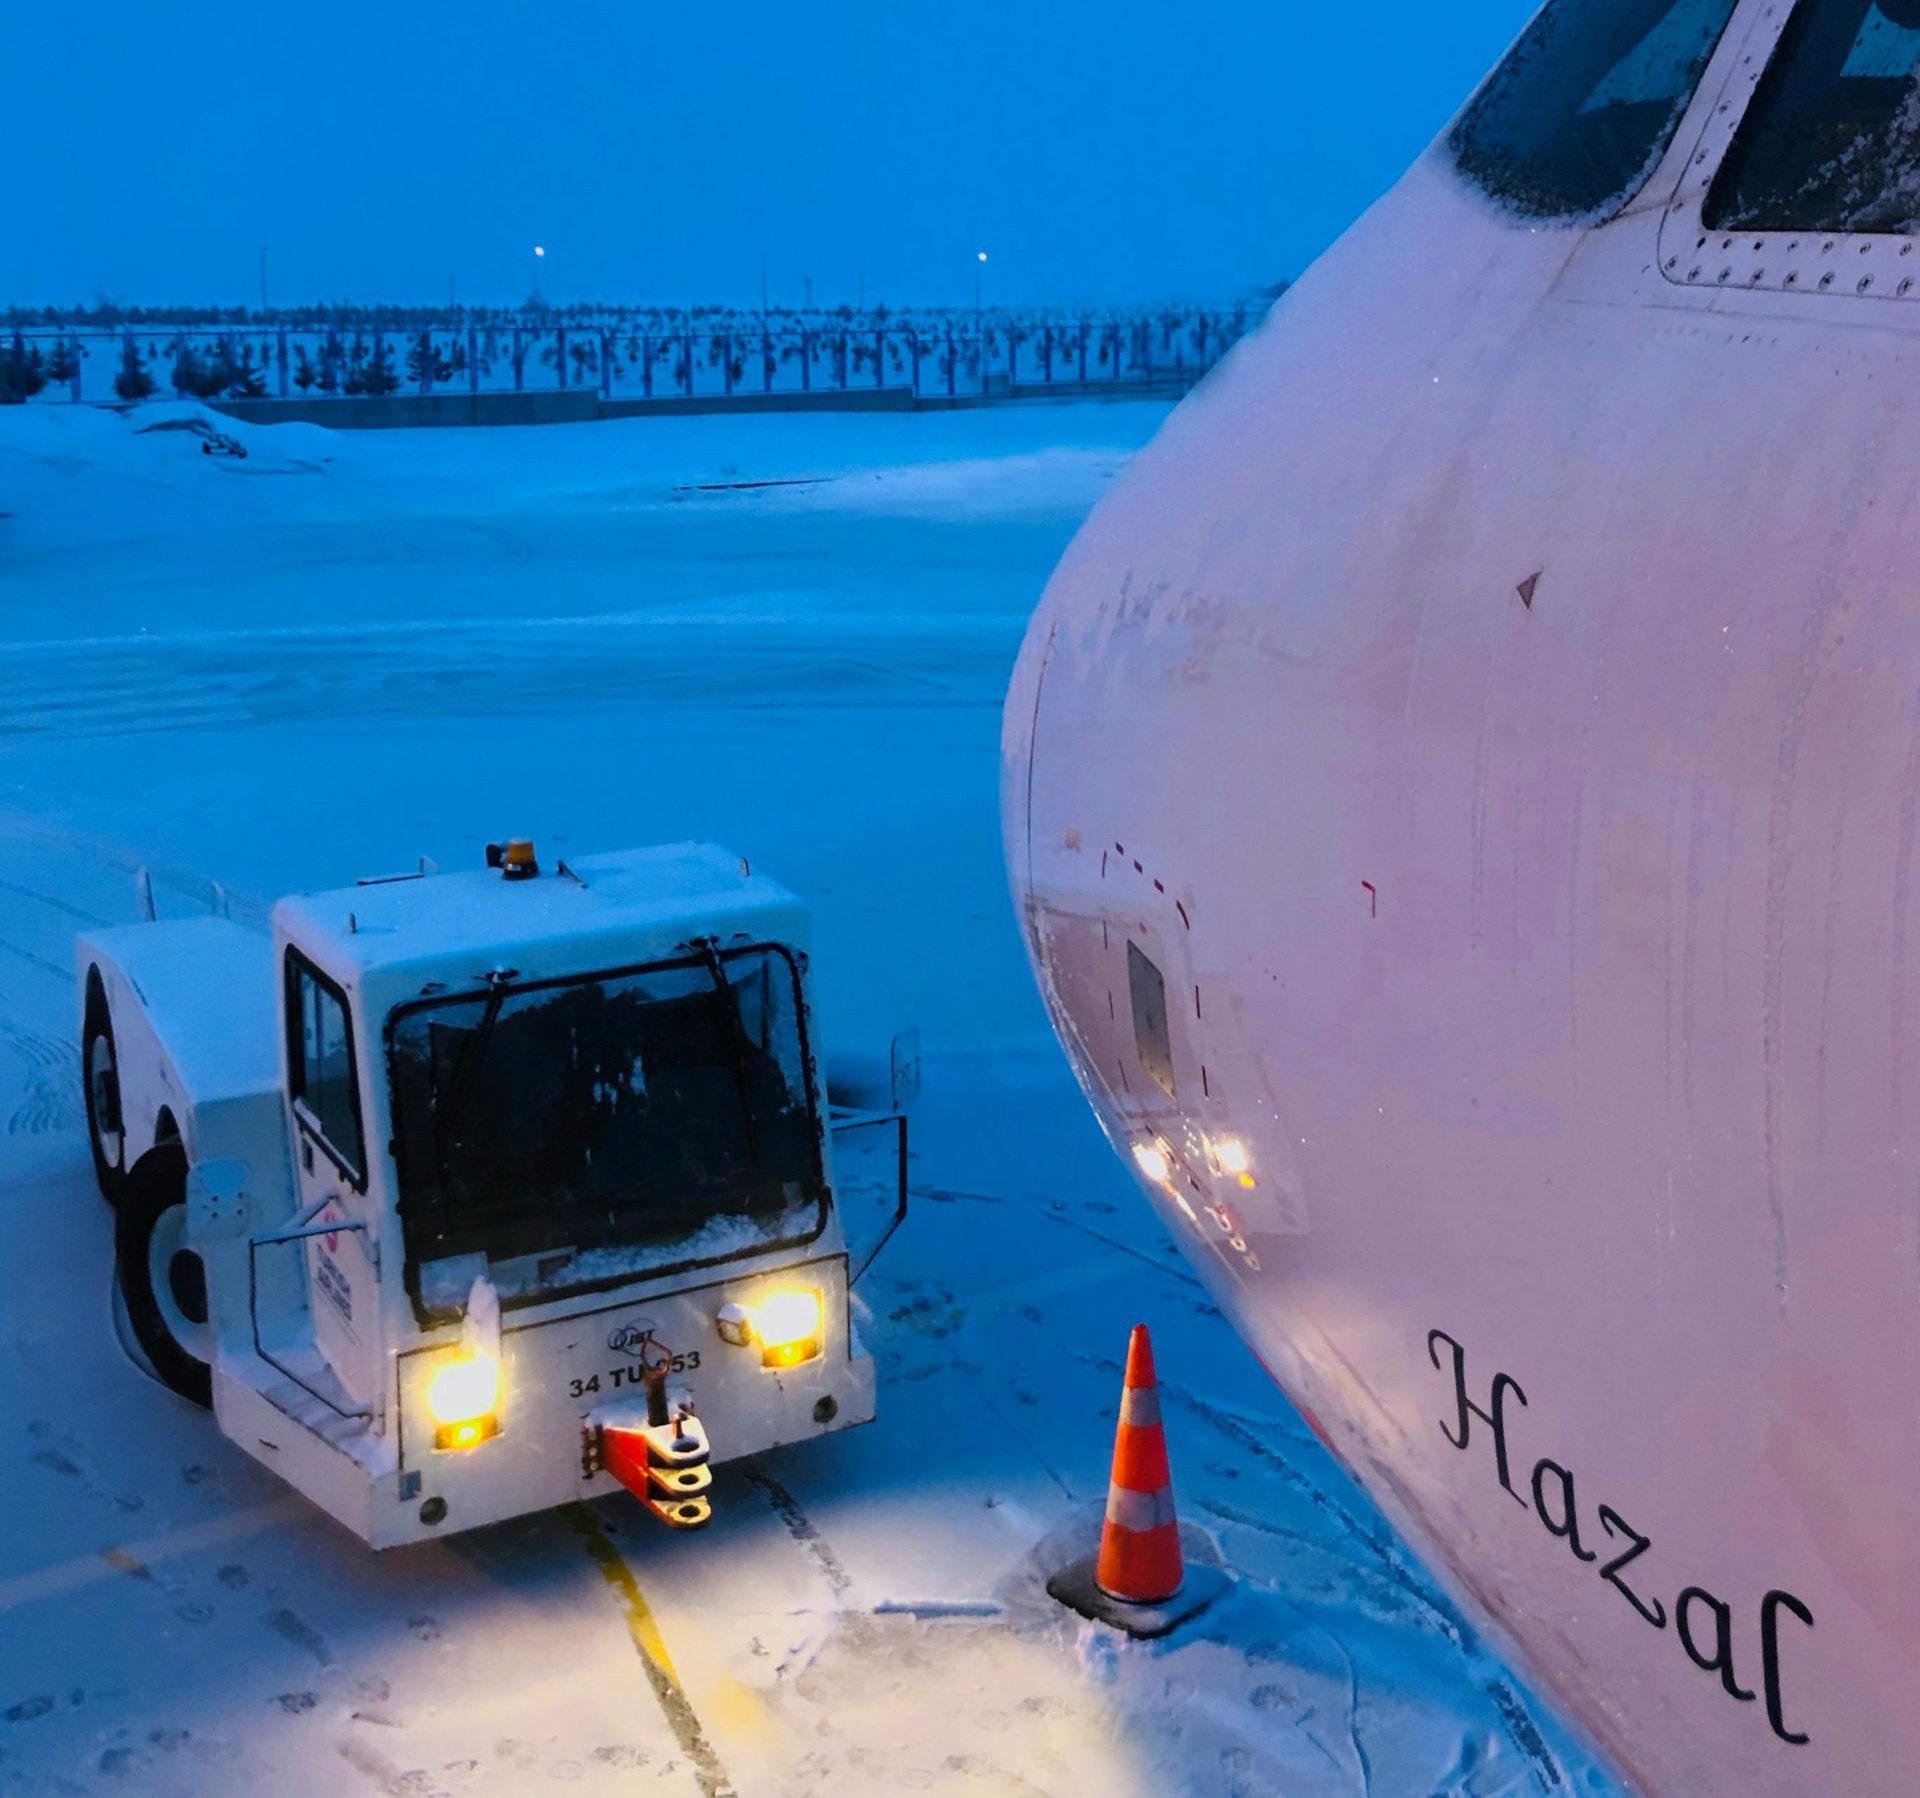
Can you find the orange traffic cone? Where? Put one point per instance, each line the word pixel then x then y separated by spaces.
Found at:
pixel 1138 1581
pixel 1140 1541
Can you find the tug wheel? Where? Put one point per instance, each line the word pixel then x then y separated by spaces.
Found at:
pixel 100 1079
pixel 163 1281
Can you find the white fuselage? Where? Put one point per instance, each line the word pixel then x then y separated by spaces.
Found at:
pixel 1553 962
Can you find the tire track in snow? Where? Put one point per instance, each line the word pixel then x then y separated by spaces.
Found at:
pixel 800 1526
pixel 51 1101
pixel 79 914
pixel 460 671
pixel 33 959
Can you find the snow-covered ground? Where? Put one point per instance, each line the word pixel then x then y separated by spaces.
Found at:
pixel 345 651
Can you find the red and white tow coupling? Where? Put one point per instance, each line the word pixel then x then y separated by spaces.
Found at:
pixel 657 1449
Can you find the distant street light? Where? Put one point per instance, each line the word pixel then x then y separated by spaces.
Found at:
pixel 539 250
pixel 979 318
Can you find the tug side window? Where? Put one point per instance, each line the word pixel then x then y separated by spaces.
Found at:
pixel 1147 988
pixel 320 1063
pixel 1831 141
pixel 1573 121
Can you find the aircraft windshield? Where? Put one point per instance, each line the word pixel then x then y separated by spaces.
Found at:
pixel 1832 139
pixel 1586 103
pixel 578 1132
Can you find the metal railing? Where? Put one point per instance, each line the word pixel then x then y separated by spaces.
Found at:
pixel 844 1121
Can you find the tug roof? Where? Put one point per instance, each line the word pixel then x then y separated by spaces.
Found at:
pixel 662 896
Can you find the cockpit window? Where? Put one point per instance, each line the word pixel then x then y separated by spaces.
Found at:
pixel 1831 141
pixel 1585 104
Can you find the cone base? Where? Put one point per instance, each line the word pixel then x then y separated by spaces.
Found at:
pixel 1077 1589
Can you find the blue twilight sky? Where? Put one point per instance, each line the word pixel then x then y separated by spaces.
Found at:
pixel 1097 149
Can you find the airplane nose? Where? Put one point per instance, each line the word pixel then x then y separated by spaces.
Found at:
pixel 1019 721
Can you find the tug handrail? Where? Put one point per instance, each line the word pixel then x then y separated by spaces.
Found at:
pixel 842 1118
pixel 300 1230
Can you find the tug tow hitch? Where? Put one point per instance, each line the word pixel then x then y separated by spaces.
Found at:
pixel 658 1450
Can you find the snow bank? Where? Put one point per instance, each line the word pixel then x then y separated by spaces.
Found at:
pixel 72 475
pixel 73 478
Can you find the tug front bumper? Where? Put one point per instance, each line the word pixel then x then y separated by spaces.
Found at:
pixel 747 1363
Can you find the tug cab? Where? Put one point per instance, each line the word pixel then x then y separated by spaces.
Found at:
pixel 465 1195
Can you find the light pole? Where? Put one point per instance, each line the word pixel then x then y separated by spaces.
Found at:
pixel 979 318
pixel 539 255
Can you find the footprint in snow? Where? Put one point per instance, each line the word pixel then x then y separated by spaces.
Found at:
pixel 1042 1705
pixel 301 1634
pixel 54 1456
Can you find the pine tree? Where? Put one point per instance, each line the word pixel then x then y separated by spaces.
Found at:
pixel 422 365
pixel 64 363
pixel 246 378
pixel 218 371
pixel 132 382
pixel 303 372
pixel 379 376
pixel 187 370
pixel 23 372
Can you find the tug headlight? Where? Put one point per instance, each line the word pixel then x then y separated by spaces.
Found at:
pixel 789 1326
pixel 463 1398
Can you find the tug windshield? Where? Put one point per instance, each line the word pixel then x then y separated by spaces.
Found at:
pixel 577 1132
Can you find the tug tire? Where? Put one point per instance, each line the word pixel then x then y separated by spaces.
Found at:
pixel 100 1087
pixel 155 1191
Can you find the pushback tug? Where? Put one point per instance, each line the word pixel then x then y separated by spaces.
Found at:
pixel 520 1189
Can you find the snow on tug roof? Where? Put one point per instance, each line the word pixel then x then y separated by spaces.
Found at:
pixel 672 892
